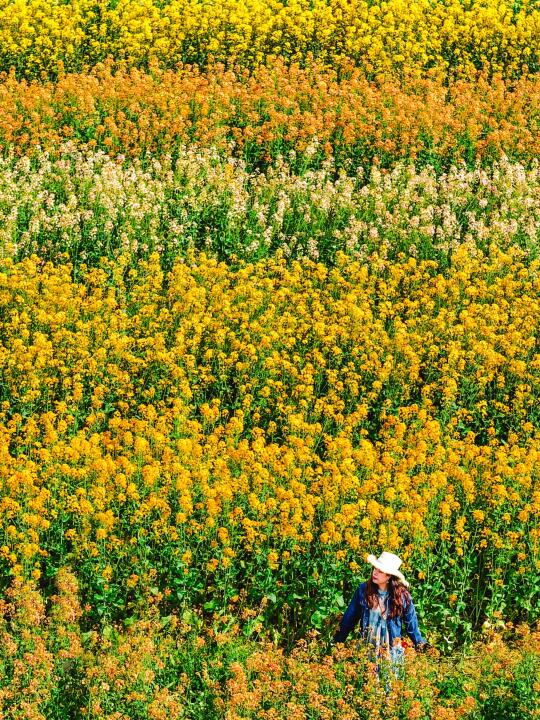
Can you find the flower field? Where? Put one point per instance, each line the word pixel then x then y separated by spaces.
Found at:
pixel 274 110
pixel 269 302
pixel 388 36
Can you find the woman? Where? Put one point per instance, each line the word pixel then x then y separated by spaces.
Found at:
pixel 382 605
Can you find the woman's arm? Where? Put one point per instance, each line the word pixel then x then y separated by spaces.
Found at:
pixel 410 621
pixel 351 617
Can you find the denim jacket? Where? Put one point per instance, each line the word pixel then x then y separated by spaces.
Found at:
pixel 358 610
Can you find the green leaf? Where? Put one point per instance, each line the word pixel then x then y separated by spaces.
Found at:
pixel 86 636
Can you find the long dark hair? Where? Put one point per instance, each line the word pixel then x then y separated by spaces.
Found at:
pixel 400 597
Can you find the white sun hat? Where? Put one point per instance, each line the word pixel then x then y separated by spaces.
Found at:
pixel 388 563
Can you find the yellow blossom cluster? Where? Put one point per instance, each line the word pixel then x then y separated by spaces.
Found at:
pixel 386 36
pixel 177 433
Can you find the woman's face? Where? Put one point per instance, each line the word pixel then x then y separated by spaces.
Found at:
pixel 379 577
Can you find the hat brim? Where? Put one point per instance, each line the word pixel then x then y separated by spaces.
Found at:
pixel 372 560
